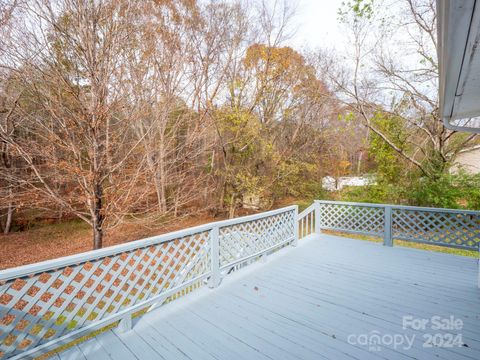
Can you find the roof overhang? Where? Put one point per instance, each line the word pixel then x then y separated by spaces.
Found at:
pixel 459 63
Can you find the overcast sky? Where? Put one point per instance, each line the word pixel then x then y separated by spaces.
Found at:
pixel 317 23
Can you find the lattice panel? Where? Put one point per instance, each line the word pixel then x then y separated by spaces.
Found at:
pixel 245 239
pixel 354 218
pixel 439 228
pixel 42 307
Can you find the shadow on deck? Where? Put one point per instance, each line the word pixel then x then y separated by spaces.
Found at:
pixel 321 300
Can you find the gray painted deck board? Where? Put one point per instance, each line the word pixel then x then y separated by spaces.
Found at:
pixel 73 353
pixel 115 348
pixel 303 303
pixel 137 345
pixel 93 350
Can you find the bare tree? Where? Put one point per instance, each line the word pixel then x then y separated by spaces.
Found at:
pixel 119 109
pixel 8 103
pixel 70 66
pixel 393 70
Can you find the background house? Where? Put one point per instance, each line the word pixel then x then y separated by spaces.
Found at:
pixel 331 183
pixel 468 160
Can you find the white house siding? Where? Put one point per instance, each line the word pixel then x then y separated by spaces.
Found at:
pixel 331 184
pixel 468 161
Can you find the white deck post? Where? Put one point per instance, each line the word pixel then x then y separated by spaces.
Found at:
pixel 387 237
pixel 125 323
pixel 295 227
pixel 316 211
pixel 215 257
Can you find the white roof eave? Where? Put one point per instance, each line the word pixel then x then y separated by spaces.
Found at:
pixel 459 63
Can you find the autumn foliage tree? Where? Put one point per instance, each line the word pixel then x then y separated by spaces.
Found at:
pixel 121 109
pixel 270 129
pixel 117 110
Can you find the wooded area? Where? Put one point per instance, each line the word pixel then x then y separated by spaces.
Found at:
pixel 114 111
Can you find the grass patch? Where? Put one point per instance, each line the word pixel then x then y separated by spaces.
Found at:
pixel 95 333
pixel 76 342
pixel 87 337
pixel 408 244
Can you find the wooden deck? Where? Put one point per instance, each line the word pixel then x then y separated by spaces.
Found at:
pixel 311 302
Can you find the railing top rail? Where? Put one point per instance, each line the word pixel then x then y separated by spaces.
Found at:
pixel 432 209
pixel 48 265
pixel 404 207
pixel 253 217
pixel 306 211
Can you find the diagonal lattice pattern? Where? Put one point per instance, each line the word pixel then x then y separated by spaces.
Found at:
pixel 44 306
pixel 249 238
pixel 46 303
pixel 353 218
pixel 454 229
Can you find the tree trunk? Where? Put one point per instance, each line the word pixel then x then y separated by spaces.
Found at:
pixel 157 169
pixel 98 218
pixel 231 212
pixel 160 190
pixel 359 163
pixel 221 197
pixel 97 237
pixel 177 201
pixel 8 221
pixel 162 177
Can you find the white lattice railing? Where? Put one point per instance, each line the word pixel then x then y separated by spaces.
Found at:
pixel 443 227
pixel 47 304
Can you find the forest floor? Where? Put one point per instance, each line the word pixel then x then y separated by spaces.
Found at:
pixel 50 241
pixel 72 237
pixel 409 244
pixel 56 240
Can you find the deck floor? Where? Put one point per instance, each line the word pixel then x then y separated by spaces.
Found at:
pixel 320 300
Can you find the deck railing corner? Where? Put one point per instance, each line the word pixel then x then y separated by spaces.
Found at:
pixel 453 228
pixel 48 304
